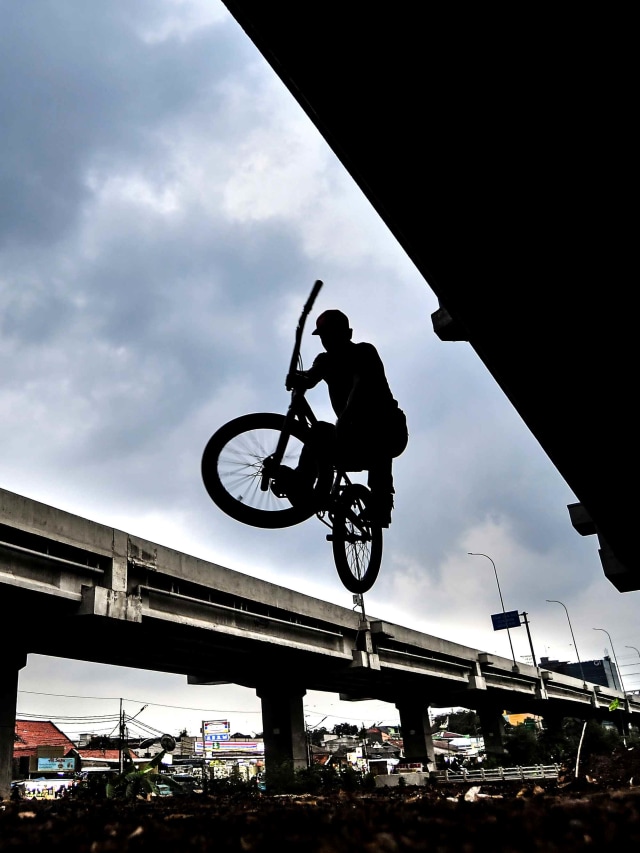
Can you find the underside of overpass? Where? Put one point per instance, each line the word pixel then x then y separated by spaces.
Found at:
pixel 496 146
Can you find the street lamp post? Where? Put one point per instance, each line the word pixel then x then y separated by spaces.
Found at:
pixel 554 601
pixel 634 649
pixel 473 554
pixel 614 657
pixel 624 692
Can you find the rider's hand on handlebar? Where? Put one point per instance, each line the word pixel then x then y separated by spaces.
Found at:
pixel 296 381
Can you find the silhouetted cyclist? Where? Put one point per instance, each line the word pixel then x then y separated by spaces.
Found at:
pixel 371 429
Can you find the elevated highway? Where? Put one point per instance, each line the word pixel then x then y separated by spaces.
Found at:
pixel 126 601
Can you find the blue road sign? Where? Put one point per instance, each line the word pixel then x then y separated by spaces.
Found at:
pixel 510 619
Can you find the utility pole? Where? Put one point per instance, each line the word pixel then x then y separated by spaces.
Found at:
pixel 121 741
pixel 526 625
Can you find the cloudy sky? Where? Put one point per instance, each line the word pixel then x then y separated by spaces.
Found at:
pixel 165 207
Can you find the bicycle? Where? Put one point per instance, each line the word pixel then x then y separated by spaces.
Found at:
pixel 239 470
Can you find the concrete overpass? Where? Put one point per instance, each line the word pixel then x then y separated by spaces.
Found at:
pixel 125 601
pixel 497 145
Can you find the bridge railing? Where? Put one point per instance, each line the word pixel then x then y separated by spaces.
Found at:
pixel 498 774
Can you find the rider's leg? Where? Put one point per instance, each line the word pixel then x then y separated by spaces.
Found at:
pixel 360 448
pixel 315 458
pixel 393 437
pixel 380 480
pixel 318 452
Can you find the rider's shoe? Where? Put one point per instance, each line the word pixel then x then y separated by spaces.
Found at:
pixel 282 481
pixel 286 483
pixel 379 510
pixel 278 484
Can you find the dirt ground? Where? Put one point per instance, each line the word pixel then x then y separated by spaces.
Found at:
pixel 598 811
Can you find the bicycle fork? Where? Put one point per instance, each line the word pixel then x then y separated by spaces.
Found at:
pixel 353 527
pixel 298 408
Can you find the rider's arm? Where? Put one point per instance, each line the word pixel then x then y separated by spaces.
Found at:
pixel 298 381
pixel 304 379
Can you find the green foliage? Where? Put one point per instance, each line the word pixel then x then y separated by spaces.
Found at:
pixel 316 736
pixel 350 779
pixel 234 786
pixel 633 739
pixel 559 745
pixel 461 722
pixel 140 781
pixel 523 746
pixel 345 730
pixel 599 740
pixel 103 742
pixel 316 779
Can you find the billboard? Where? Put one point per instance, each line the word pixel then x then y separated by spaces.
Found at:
pixel 56 765
pixel 236 746
pixel 214 732
pixel 510 619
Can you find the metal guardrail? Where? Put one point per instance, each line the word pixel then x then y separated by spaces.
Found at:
pixel 500 774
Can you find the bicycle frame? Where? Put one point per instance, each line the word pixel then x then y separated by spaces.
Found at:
pixel 299 410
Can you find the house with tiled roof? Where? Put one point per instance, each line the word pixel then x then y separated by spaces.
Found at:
pixel 40 748
pixel 382 734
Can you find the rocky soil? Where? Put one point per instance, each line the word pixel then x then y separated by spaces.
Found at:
pixel 598 811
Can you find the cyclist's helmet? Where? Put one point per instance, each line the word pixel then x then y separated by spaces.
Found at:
pixel 331 321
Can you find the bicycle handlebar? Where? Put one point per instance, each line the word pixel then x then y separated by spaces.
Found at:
pixel 315 290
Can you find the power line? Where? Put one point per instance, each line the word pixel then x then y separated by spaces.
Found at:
pixel 141 701
pixel 110 718
pixel 97 719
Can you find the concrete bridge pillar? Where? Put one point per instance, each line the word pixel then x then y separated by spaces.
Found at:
pixel 417 733
pixel 12 663
pixel 285 740
pixel 492 724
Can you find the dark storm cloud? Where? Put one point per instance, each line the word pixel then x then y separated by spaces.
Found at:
pixel 86 99
pixel 80 89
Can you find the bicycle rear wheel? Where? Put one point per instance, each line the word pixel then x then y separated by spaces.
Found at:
pixel 356 540
pixel 232 470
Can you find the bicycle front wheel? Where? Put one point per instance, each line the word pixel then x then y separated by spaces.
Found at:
pixel 232 470
pixel 357 541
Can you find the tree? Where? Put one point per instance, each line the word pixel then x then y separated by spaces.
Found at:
pixel 345 730
pixel 523 745
pixel 461 722
pixel 103 742
pixel 316 736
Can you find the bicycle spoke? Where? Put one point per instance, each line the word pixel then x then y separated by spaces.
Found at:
pixel 357 543
pixel 233 470
pixel 240 467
